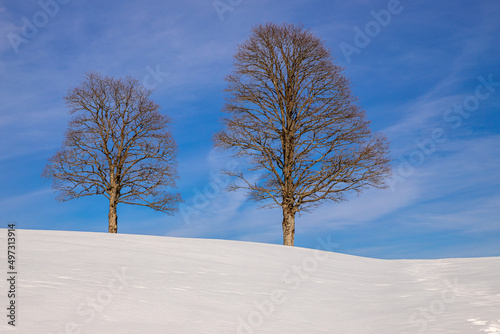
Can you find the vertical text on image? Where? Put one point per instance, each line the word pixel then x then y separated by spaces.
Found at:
pixel 11 274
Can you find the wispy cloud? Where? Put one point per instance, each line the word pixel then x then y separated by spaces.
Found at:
pixel 19 202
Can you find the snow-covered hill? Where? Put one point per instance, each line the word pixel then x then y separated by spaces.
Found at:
pixel 73 282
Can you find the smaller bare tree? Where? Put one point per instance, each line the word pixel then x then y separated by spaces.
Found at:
pixel 291 111
pixel 117 145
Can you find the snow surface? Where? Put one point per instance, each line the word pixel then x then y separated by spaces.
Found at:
pixel 77 282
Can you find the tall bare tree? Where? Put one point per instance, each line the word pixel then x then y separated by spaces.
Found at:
pixel 117 145
pixel 291 111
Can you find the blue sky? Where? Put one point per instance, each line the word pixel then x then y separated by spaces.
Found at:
pixel 427 73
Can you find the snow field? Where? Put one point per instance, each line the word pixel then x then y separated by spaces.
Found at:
pixel 78 282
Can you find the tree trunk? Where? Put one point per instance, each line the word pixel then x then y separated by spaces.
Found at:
pixel 113 216
pixel 288 227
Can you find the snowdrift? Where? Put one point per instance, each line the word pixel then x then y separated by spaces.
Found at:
pixel 76 282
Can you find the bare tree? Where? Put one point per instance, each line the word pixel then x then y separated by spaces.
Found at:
pixel 290 110
pixel 117 145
